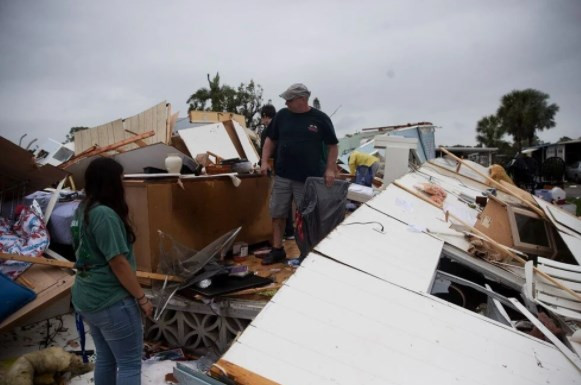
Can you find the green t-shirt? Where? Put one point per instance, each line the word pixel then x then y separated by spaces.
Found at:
pixel 105 237
pixel 302 141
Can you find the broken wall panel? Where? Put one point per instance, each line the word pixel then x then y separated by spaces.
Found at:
pixel 153 119
pixel 313 334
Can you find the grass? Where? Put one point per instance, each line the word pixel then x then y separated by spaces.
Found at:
pixel 577 202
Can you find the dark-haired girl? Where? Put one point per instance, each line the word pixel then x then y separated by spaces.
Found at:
pixel 106 291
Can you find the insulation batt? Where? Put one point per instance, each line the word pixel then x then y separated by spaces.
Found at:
pixel 41 367
pixel 437 194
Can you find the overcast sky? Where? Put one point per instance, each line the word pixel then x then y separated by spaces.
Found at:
pixel 84 63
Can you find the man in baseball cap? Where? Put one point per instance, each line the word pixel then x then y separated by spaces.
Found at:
pixel 306 145
pixel 295 91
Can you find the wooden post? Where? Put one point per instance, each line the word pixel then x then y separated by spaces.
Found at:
pixel 499 186
pixel 71 265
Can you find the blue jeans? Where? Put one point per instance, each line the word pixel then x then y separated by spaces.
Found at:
pixel 363 176
pixel 118 336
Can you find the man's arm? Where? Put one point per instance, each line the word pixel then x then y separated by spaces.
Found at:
pixel 332 153
pixel 267 150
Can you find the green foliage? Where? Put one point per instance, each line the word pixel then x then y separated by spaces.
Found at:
pixel 564 139
pixel 523 113
pixel 245 100
pixel 71 135
pixel 489 132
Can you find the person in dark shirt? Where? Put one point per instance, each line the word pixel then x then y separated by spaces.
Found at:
pixel 306 145
pixel 267 113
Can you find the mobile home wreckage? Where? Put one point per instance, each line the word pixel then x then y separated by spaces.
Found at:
pixel 441 275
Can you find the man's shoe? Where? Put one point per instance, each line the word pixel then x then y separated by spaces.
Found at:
pixel 275 256
pixel 289 237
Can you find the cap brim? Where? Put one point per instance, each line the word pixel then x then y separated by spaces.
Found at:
pixel 286 96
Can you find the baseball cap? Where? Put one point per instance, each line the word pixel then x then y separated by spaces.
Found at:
pixel 295 91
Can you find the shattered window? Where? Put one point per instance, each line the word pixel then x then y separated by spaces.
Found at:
pixel 531 230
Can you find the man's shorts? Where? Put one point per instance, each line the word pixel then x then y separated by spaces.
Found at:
pixel 283 192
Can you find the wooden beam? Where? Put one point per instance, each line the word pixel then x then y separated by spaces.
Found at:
pixel 239 374
pixel 432 163
pixel 71 265
pixel 139 142
pixel 498 185
pixel 108 148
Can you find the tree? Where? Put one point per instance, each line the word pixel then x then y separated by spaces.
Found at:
pixel 564 139
pixel 523 113
pixel 489 132
pixel 71 135
pixel 246 100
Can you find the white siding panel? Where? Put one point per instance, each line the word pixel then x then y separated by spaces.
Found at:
pixel 332 324
pixel 399 255
pixel 418 214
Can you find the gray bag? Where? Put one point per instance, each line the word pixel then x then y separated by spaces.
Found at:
pixel 321 210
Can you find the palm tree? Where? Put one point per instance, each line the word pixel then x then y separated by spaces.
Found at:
pixel 489 131
pixel 524 112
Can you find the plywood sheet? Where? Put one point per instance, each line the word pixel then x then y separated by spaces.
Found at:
pixel 153 119
pixel 494 223
pixel 332 324
pixel 399 254
pixel 211 137
pixel 246 143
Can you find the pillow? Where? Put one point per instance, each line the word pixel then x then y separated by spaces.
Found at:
pixel 12 296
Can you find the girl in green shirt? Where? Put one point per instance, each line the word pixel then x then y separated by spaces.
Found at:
pixel 106 292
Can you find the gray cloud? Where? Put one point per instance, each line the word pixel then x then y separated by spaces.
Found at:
pixel 70 63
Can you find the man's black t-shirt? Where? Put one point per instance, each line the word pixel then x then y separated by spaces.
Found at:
pixel 301 143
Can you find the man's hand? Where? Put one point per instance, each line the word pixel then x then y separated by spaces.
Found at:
pixel 264 168
pixel 329 177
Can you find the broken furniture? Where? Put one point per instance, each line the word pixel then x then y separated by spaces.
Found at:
pixel 196 212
